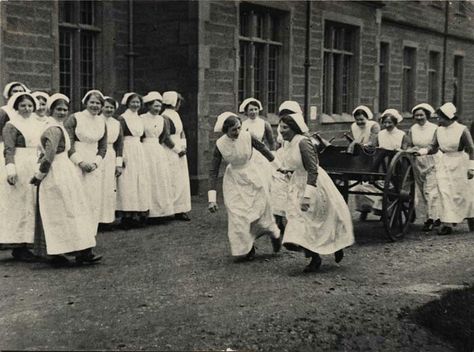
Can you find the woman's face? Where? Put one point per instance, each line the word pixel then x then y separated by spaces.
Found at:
pixel 108 109
pixel 15 89
pixel 234 131
pixel 155 108
pixel 41 110
pixel 94 105
pixel 134 104
pixel 25 107
pixel 286 132
pixel 388 123
pixel 60 111
pixel 444 121
pixel 252 111
pixel 420 117
pixel 360 120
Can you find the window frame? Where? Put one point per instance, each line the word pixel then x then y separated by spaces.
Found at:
pixel 458 95
pixel 245 86
pixel 385 84
pixel 77 30
pixel 434 88
pixel 408 98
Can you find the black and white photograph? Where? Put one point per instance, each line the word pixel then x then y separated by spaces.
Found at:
pixel 237 175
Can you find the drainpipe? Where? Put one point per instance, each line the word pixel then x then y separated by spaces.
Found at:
pixel 307 62
pixel 445 49
pixel 130 52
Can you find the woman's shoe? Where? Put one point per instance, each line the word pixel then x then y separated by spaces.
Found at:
pixel 246 258
pixel 445 230
pixel 182 217
pixel 363 216
pixel 338 255
pixel 314 265
pixel 59 261
pixel 89 258
pixel 23 254
pixel 428 225
pixel 437 223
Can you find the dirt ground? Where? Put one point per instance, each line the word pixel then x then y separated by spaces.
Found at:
pixel 174 287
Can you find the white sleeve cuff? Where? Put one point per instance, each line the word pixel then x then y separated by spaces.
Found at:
pixel 76 158
pixel 176 149
pixel 98 160
pixel 212 196
pixel 11 169
pixel 310 192
pixel 423 151
pixel 40 175
pixel 471 164
pixel 184 143
pixel 276 163
pixel 119 161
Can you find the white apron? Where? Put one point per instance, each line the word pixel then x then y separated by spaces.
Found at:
pixel 67 218
pixel 133 185
pixel 109 181
pixel 362 135
pixel 256 127
pixel 427 200
pixel 279 186
pixel 11 114
pixel 327 225
pixel 178 168
pixel 18 202
pixel 156 160
pixel 246 195
pixel 455 190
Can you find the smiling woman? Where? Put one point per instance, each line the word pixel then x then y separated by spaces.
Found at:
pixel 88 134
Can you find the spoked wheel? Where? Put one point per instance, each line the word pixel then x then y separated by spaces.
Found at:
pixel 398 196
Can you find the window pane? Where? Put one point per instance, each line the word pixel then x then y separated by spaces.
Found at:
pixel 87 12
pixel 244 23
pixel 272 79
pixel 408 84
pixel 433 78
pixel 383 76
pixel 65 62
pixel 273 28
pixel 259 25
pixel 87 62
pixel 242 70
pixel 327 83
pixel 257 72
pixel 458 82
pixel 346 74
pixel 66 11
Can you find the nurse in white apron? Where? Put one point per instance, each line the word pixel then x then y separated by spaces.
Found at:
pixel 156 158
pixel 113 162
pixel 319 221
pixel 455 174
pixel 421 134
pixel 88 134
pixel 133 189
pixel 364 130
pixel 17 196
pixel 259 128
pixel 41 113
pixel 390 138
pixel 245 189
pixel 178 162
pixel 65 221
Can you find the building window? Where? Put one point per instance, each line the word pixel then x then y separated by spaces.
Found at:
pixel 433 78
pixel 383 75
pixel 460 7
pixel 458 82
pixel 78 33
pixel 409 78
pixel 260 56
pixel 339 67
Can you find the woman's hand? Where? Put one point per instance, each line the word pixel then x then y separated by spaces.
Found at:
pixel 11 179
pixel 118 171
pixel 182 153
pixel 86 167
pixel 304 206
pixel 213 207
pixel 93 167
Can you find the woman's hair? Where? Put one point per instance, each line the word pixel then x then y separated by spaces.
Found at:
pixel 427 112
pixel 360 112
pixel 134 95
pixel 150 104
pixel 393 118
pixel 285 112
pixel 254 103
pixel 440 113
pixel 56 103
pixel 230 122
pixel 95 95
pixel 287 119
pixel 111 101
pixel 21 98
pixel 13 86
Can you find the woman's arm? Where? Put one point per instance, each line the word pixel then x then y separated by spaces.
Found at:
pixel 118 147
pixel 70 126
pixel 269 136
pixel 101 147
pixel 310 163
pixel 466 143
pixel 374 132
pixel 50 141
pixel 406 142
pixel 213 175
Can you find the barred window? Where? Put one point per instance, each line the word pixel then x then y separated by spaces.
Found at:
pixel 340 45
pixel 408 78
pixel 434 78
pixel 78 33
pixel 260 56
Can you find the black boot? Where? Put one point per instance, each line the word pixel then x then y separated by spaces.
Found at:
pixel 87 257
pixel 182 217
pixel 314 265
pixel 429 225
pixel 338 255
pixel 23 254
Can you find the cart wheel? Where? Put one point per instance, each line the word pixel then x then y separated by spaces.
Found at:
pixel 398 196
